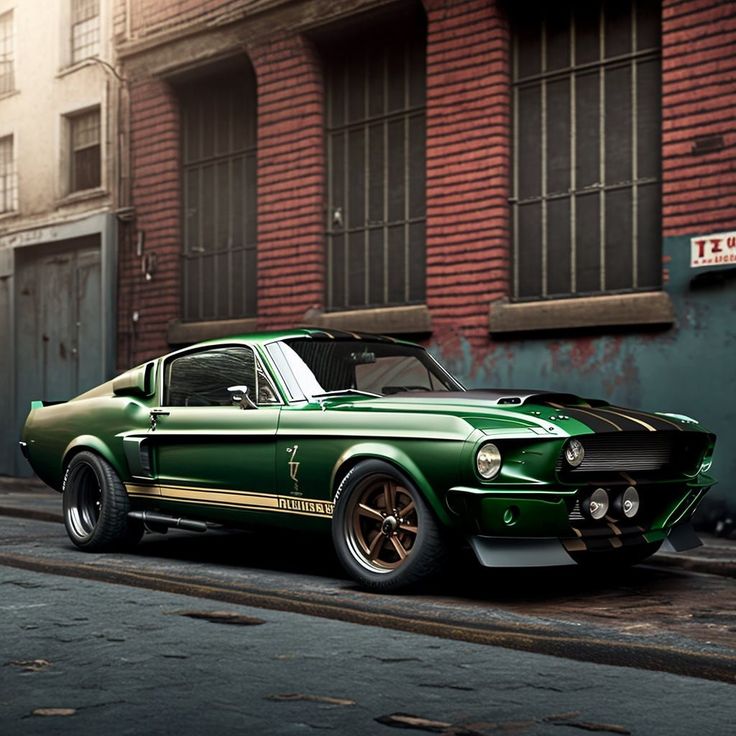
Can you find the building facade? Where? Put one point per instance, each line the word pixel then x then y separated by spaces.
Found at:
pixel 525 191
pixel 59 103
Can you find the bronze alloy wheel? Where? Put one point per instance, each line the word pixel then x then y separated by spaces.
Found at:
pixel 385 534
pixel 381 524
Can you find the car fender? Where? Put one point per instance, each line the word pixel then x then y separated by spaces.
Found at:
pixel 95 444
pixel 395 456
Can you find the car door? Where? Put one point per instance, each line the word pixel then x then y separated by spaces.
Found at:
pixel 211 440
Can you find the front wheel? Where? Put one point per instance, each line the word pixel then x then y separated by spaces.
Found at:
pixel 96 506
pixel 385 535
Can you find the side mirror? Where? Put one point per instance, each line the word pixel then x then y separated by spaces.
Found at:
pixel 240 394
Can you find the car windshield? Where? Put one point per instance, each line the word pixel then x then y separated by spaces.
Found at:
pixel 323 368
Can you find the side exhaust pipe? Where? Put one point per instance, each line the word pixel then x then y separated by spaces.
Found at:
pixel 152 520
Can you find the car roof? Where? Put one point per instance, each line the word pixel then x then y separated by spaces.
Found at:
pixel 315 333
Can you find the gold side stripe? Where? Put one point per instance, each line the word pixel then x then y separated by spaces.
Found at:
pixel 235 499
pixel 630 418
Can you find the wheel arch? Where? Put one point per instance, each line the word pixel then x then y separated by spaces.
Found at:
pixel 393 456
pixel 89 443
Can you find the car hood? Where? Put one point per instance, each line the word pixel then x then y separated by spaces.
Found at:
pixel 486 408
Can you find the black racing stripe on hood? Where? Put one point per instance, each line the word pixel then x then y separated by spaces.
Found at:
pixel 659 423
pixel 595 421
pixel 622 419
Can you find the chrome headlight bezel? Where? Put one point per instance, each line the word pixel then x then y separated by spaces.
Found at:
pixel 574 452
pixel 488 461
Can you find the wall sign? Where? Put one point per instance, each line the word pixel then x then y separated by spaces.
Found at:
pixel 718 249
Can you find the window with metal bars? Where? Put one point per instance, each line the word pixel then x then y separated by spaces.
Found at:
pixel 375 136
pixel 85 29
pixel 218 123
pixel 7 73
pixel 586 197
pixel 85 164
pixel 8 176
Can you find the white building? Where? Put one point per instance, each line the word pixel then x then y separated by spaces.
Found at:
pixel 60 101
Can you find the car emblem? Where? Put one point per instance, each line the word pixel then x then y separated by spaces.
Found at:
pixel 294 467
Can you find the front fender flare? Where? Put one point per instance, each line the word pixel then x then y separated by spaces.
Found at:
pixel 389 453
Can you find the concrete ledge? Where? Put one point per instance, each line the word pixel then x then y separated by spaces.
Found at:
pixel 186 333
pixel 646 308
pixel 410 320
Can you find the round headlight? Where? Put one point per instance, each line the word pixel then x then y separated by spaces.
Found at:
pixel 596 505
pixel 488 461
pixel 574 452
pixel 627 504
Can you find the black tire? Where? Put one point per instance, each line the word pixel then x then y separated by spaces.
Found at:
pixel 96 506
pixel 617 559
pixel 355 533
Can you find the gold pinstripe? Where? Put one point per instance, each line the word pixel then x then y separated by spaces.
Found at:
pixel 632 419
pixel 659 418
pixel 235 499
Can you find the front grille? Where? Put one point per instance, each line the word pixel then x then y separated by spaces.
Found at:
pixel 638 451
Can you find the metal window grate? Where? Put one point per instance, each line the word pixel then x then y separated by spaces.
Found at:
pixel 84 135
pixel 7 73
pixel 219 118
pixel 375 136
pixel 85 29
pixel 8 176
pixel 586 195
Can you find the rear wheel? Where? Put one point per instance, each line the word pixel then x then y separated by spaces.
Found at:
pixel 385 534
pixel 96 506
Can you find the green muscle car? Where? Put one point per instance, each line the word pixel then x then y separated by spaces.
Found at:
pixel 371 438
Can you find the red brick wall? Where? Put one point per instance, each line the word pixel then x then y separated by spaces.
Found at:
pixel 291 166
pixel 699 92
pixel 468 134
pixel 154 141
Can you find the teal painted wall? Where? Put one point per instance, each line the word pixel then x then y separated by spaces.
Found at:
pixel 689 368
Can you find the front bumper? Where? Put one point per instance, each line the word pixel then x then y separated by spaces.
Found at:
pixel 551 552
pixel 542 526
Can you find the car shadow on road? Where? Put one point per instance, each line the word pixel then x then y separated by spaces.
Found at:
pixel 311 556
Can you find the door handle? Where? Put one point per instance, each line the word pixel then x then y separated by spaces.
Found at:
pixel 155 414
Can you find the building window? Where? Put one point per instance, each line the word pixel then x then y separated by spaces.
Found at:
pixel 84 135
pixel 7 76
pixel 218 116
pixel 8 176
pixel 85 29
pixel 586 194
pixel 375 113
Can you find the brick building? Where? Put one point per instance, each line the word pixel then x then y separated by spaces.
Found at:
pixel 517 188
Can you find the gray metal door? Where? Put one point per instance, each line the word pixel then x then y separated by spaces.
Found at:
pixel 58 327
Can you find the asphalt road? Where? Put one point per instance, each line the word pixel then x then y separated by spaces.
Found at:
pixel 258 633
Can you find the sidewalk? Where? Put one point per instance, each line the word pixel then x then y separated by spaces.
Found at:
pixel 31 497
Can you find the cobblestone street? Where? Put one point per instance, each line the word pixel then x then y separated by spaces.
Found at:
pixel 83 652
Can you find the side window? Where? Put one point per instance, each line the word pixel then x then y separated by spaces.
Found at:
pixel 202 379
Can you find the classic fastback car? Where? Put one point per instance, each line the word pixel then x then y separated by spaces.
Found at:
pixel 369 437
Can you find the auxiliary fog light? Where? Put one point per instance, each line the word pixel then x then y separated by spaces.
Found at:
pixel 574 453
pixel 596 505
pixel 627 503
pixel 488 461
